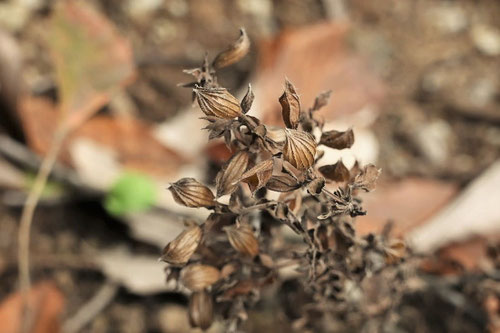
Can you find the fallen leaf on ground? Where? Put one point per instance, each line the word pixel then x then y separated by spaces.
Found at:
pixel 48 304
pixel 407 203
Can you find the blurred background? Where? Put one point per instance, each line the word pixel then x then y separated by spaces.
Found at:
pixel 418 81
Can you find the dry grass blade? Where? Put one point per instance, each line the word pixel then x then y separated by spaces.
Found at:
pixel 190 193
pixel 300 149
pixel 217 102
pixel 227 177
pixel 290 106
pixel 234 53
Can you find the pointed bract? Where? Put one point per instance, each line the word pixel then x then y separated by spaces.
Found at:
pixel 234 53
pixel 290 106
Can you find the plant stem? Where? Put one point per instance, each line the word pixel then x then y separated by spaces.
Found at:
pixel 26 222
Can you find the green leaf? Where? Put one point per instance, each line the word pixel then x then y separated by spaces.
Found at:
pixel 132 192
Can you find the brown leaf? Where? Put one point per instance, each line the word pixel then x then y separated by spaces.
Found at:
pixel 367 179
pixel 282 183
pixel 197 277
pixel 234 53
pixel 180 250
pixel 337 172
pixel 242 239
pixel 290 106
pixel 247 101
pixel 300 149
pixel 321 100
pixel 190 193
pixel 258 176
pixel 201 310
pixel 337 140
pixel 217 102
pixel 91 60
pixel 48 307
pixel 233 171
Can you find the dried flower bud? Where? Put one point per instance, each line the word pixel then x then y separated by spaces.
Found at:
pixel 198 277
pixel 282 183
pixel 228 176
pixel 300 149
pixel 242 239
pixel 247 101
pixel 367 179
pixel 337 172
pixel 180 250
pixel 337 140
pixel 290 106
pixel 190 193
pixel 217 102
pixel 201 310
pixel 234 53
pixel 258 176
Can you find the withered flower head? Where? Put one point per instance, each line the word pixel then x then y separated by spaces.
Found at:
pixel 290 106
pixel 300 149
pixel 217 102
pixel 234 53
pixel 180 250
pixel 201 312
pixel 242 239
pixel 197 277
pixel 337 140
pixel 190 193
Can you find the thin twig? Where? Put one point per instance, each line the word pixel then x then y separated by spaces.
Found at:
pixel 91 309
pixel 26 221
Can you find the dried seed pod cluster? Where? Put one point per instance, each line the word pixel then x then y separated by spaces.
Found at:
pixel 230 258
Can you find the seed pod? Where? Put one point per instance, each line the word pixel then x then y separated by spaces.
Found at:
pixel 217 102
pixel 190 193
pixel 234 53
pixel 242 239
pixel 300 149
pixel 282 183
pixel 227 177
pixel 290 106
pixel 247 101
pixel 201 310
pixel 337 140
pixel 198 277
pixel 337 172
pixel 258 176
pixel 180 250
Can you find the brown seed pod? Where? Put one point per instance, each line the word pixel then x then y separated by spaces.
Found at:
pixel 190 193
pixel 337 140
pixel 290 106
pixel 180 250
pixel 282 183
pixel 227 177
pixel 247 101
pixel 242 239
pixel 198 277
pixel 337 172
pixel 201 310
pixel 217 102
pixel 300 149
pixel 258 176
pixel 234 53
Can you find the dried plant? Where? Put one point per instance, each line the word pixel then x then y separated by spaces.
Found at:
pixel 242 248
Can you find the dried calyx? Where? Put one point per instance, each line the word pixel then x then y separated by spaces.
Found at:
pixel 229 258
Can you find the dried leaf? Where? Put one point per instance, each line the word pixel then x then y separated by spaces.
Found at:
pixel 242 239
pixel 233 171
pixel 316 186
pixel 201 310
pixel 217 102
pixel 321 100
pixel 300 149
pixel 234 53
pixel 198 277
pixel 290 106
pixel 337 140
pixel 282 183
pixel 367 179
pixel 180 250
pixel 258 176
pixel 91 60
pixel 337 172
pixel 247 101
pixel 190 193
